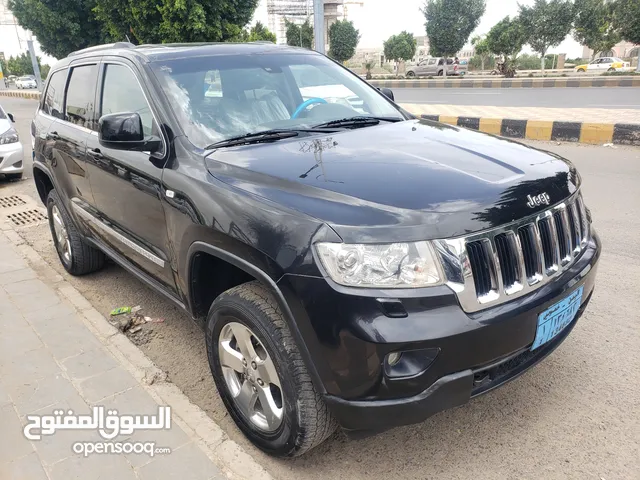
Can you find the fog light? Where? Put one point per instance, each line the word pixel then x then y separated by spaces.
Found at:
pixel 394 358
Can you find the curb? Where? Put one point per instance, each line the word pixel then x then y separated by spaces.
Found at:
pixel 568 82
pixel 11 93
pixel 593 133
pixel 232 460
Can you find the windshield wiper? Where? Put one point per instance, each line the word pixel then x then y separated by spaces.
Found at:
pixel 256 137
pixel 359 121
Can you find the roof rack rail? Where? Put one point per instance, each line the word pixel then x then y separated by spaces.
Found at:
pixel 102 47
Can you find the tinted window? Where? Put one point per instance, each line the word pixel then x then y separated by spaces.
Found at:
pixel 55 94
pixel 121 92
pixel 81 96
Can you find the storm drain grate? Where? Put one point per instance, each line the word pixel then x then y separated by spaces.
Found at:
pixel 12 201
pixel 22 219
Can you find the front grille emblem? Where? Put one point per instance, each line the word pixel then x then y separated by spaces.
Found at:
pixel 537 200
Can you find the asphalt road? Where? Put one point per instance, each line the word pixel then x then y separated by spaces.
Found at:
pixel 574 416
pixel 623 97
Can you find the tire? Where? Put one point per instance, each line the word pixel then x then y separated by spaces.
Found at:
pixel 581 70
pixel 411 74
pixel 611 70
pixel 83 258
pixel 305 419
pixel 441 73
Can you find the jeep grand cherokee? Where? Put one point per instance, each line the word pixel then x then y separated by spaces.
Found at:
pixel 351 265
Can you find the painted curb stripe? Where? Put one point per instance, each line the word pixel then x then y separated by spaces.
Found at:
pixel 566 131
pixel 523 82
pixel 593 133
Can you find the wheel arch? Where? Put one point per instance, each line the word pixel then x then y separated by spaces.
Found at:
pixel 44 182
pixel 199 247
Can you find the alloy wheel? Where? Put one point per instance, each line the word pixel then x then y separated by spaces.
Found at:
pixel 62 236
pixel 251 376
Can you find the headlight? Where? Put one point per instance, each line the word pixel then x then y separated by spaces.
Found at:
pixel 10 136
pixel 395 265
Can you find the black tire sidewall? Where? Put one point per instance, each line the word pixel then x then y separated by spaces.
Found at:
pixel 282 442
pixel 52 200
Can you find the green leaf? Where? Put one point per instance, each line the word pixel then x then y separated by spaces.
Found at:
pixel 343 40
pixel 449 23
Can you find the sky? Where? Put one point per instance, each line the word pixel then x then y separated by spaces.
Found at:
pixel 377 20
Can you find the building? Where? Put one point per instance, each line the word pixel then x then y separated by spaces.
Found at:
pixel 298 11
pixel 621 50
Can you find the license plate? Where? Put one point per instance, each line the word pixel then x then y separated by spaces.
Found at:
pixel 555 318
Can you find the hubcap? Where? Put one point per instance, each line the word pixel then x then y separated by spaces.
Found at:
pixel 62 237
pixel 251 376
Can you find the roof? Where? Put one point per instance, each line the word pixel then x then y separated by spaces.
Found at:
pixel 169 51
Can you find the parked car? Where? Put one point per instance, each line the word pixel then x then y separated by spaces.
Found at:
pixel 605 64
pixel 351 267
pixel 11 152
pixel 435 67
pixel 26 82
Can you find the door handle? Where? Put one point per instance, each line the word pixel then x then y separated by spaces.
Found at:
pixel 95 153
pixel 53 136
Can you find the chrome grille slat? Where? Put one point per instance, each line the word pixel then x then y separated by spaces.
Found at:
pixel 492 267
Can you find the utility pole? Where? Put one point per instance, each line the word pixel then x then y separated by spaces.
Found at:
pixel 318 25
pixel 34 63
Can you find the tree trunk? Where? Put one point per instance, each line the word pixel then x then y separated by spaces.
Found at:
pixel 482 63
pixel 542 62
pixel 638 67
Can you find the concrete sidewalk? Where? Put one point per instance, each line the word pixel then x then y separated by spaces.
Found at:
pixel 57 352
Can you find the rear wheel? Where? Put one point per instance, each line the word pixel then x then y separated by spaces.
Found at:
pixel 411 74
pixel 260 374
pixel 611 70
pixel 76 256
pixel 582 70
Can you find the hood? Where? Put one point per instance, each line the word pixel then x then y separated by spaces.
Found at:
pixel 414 179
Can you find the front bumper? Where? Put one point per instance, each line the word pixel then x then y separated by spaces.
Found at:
pixel 474 352
pixel 11 158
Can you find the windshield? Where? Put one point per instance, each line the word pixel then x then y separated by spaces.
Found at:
pixel 25 78
pixel 220 97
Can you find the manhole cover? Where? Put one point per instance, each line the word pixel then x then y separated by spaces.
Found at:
pixel 12 201
pixel 30 217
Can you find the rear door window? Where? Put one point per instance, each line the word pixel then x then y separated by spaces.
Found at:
pixel 54 96
pixel 81 93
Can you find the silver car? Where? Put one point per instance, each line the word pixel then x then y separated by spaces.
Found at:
pixel 11 152
pixel 26 82
pixel 435 67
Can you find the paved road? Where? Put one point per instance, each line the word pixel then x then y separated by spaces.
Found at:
pixel 628 98
pixel 575 416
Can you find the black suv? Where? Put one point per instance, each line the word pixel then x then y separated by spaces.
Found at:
pixel 351 265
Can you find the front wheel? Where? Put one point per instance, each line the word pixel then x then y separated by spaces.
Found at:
pixel 411 74
pixel 611 70
pixel 76 256
pixel 260 374
pixel 441 73
pixel 581 70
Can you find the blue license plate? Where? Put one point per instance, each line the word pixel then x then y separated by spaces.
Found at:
pixel 555 318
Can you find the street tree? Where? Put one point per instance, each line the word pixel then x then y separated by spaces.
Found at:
pixel 481 48
pixel 449 24
pixel 400 47
pixel 21 65
pixel 593 25
pixel 627 21
pixel 260 33
pixel 299 35
pixel 546 24
pixel 505 40
pixel 343 40
pixel 61 26
pixel 151 21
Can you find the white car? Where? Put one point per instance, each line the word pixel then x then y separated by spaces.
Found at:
pixel 605 64
pixel 11 152
pixel 26 82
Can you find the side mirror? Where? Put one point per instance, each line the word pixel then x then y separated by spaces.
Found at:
pixel 123 131
pixel 387 93
pixel 10 115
